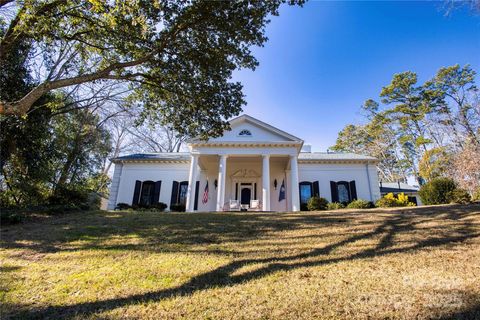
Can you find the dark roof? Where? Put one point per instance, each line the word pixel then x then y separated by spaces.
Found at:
pixel 387 187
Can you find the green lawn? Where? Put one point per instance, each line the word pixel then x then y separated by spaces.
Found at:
pixel 415 263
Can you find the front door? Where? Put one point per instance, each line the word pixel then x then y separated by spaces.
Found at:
pixel 245 195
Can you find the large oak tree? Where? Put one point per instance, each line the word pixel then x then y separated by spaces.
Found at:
pixel 178 56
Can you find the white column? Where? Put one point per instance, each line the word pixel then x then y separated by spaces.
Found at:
pixel 287 189
pixel 294 182
pixel 266 183
pixel 192 179
pixel 222 171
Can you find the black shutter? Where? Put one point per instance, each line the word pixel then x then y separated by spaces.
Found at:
pixel 334 190
pixel 156 192
pixel 255 191
pixel 136 193
pixel 353 191
pixel 197 186
pixel 236 191
pixel 316 189
pixel 174 198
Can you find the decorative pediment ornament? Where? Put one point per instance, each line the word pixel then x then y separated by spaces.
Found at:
pixel 245 173
pixel 245 132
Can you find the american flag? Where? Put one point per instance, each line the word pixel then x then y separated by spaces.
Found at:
pixel 205 194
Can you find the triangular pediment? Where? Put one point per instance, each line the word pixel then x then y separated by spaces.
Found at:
pixel 245 173
pixel 248 129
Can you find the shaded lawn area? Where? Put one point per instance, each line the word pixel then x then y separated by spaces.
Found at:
pixel 409 263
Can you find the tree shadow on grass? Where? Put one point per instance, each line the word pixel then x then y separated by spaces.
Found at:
pixel 159 230
pixel 471 312
pixel 386 232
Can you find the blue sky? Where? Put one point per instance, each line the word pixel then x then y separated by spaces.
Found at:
pixel 324 60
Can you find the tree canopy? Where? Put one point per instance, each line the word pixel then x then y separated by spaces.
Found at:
pixel 420 129
pixel 178 56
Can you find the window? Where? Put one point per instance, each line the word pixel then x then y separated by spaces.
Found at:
pixel 182 194
pixel 179 193
pixel 146 192
pixel 305 192
pixel 146 196
pixel 245 132
pixel 343 192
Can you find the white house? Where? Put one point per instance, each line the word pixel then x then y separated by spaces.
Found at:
pixel 253 164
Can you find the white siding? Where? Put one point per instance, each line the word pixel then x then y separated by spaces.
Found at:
pixel 324 173
pixel 123 183
pixel 166 172
pixel 258 134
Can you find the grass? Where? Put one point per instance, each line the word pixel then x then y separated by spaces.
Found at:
pixel 410 263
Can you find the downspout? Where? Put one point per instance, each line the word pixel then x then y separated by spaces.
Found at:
pixel 369 184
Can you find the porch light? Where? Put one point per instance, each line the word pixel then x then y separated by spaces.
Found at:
pixel 275 184
pixel 215 183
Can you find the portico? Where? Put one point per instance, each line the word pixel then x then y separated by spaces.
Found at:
pixel 245 164
pixel 246 177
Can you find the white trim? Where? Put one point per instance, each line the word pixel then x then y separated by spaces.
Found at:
pixel 266 182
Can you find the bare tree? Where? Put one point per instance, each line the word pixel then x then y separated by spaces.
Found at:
pixel 466 168
pixel 156 138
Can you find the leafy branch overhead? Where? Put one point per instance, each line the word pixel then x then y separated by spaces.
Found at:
pixel 178 56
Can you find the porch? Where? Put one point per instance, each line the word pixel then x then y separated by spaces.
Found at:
pixel 236 181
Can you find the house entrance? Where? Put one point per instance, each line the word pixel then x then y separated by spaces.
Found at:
pixel 245 194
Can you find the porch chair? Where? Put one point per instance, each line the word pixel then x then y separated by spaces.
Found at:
pixel 234 205
pixel 255 205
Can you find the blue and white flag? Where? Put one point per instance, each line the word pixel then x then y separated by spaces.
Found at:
pixel 281 196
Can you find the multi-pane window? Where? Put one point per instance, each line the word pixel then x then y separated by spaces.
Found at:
pixel 305 192
pixel 182 194
pixel 343 192
pixel 148 190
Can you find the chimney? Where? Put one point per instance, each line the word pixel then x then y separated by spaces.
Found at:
pixel 307 148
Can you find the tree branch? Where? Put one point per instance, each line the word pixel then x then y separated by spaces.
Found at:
pixel 20 107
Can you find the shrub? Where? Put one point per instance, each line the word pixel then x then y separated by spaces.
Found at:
pixel 387 201
pixel 403 201
pixel 436 191
pixel 159 206
pixel 476 195
pixel 317 203
pixel 360 204
pixel 10 217
pixel 460 196
pixel 94 202
pixel 67 195
pixel 335 206
pixel 123 206
pixel 177 207
pixel 390 200
pixel 149 207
